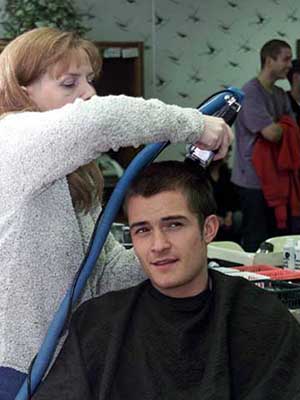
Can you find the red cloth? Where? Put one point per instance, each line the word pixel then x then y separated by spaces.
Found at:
pixel 278 165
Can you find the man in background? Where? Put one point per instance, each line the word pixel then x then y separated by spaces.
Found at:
pixel 263 106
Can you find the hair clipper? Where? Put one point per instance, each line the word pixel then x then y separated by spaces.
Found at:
pixel 229 113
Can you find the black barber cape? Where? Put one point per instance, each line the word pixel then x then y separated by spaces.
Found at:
pixel 234 342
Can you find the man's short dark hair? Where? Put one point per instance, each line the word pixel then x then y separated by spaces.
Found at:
pixel 190 180
pixel 294 70
pixel 272 49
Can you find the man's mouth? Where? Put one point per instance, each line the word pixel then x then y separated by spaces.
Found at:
pixel 164 262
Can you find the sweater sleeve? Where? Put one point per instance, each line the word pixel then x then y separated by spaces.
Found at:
pixel 118 268
pixel 41 147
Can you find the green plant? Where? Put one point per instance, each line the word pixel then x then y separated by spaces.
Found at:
pixel 23 15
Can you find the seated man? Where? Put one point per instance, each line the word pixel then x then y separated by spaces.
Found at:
pixel 187 332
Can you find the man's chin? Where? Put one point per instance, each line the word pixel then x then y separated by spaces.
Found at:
pixel 282 76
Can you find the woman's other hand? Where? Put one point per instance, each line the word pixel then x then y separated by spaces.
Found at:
pixel 217 136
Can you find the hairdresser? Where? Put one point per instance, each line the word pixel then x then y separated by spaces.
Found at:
pixel 52 127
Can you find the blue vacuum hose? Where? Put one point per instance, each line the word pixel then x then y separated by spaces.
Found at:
pixel 144 157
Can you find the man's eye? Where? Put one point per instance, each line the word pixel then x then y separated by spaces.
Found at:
pixel 141 231
pixel 173 225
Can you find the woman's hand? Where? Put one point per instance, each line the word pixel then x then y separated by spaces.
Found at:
pixel 217 136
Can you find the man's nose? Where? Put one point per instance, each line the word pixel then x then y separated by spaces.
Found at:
pixel 160 241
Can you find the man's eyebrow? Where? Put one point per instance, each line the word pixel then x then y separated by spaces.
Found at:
pixel 172 217
pixel 137 224
pixel 164 219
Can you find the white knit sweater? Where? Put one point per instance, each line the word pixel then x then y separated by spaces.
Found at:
pixel 42 240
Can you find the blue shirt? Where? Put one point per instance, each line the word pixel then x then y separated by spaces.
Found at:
pixel 259 109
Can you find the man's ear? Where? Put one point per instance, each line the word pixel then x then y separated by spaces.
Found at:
pixel 210 229
pixel 269 61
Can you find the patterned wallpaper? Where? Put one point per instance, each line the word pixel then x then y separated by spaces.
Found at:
pixel 194 48
pixel 207 45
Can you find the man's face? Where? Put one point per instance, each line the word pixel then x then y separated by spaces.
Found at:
pixel 282 64
pixel 169 244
